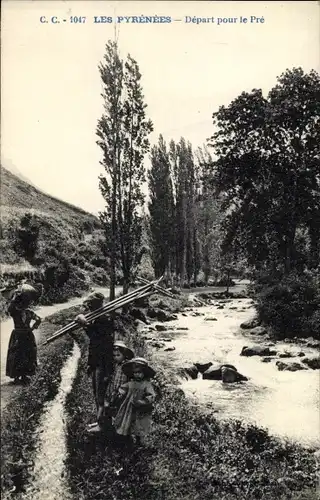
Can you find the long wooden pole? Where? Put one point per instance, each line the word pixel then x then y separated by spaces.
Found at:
pixel 110 307
pixel 157 287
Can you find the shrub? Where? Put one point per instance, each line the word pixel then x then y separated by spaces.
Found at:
pixel 27 235
pixel 290 306
pixel 100 277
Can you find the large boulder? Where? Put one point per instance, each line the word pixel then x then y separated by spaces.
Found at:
pixel 156 343
pixel 138 314
pixel 202 367
pixel 249 324
pixel 258 330
pixel 140 325
pixel 313 343
pixel 210 319
pixel 229 375
pixel 313 363
pixel 285 355
pixel 161 328
pixel 290 367
pixel 214 372
pixel 188 372
pixel 206 296
pixel 160 315
pixel 257 350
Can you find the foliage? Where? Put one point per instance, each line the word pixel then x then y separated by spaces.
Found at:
pixel 189 455
pixel 161 208
pixel 21 415
pixel 289 304
pixel 185 216
pixel 267 170
pixel 123 137
pixel 100 277
pixel 27 235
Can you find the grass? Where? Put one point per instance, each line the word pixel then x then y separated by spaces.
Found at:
pixel 190 456
pixel 21 416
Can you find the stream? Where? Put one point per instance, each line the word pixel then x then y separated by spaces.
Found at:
pixel 286 403
pixel 6 327
pixel 49 481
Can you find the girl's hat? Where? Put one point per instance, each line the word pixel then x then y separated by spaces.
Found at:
pixel 128 353
pixel 142 363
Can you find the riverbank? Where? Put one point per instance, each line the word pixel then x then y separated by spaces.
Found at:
pixel 190 455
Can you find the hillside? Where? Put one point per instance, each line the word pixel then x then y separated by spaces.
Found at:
pixel 17 196
pixel 67 252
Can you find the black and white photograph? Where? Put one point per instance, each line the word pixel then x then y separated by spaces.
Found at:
pixel 160 250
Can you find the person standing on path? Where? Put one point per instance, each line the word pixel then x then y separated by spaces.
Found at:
pixel 100 355
pixel 22 350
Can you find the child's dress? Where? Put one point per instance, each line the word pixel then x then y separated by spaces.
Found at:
pixel 135 420
pixel 117 380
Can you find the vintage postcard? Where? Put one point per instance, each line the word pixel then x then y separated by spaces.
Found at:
pixel 160 250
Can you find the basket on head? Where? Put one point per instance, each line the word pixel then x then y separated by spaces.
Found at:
pixel 26 293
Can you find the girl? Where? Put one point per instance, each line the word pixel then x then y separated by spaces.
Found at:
pixel 22 350
pixel 134 415
pixel 121 354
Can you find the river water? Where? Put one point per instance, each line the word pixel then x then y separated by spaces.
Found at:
pixel 286 403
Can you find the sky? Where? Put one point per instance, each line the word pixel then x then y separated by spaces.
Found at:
pixel 51 89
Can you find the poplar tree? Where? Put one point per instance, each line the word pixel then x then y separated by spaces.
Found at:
pixel 161 207
pixel 123 133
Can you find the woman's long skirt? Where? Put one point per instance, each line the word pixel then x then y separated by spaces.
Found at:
pixel 22 354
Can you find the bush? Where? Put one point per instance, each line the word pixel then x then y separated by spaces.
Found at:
pixel 290 306
pixel 62 281
pixel 27 235
pixel 100 277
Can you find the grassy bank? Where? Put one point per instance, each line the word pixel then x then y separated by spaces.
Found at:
pixel 189 456
pixel 21 416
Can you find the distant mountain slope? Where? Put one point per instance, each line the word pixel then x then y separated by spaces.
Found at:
pixel 16 192
pixel 58 221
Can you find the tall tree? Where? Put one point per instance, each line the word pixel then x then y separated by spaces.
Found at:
pixel 109 133
pixel 123 137
pixel 268 169
pixel 136 129
pixel 161 208
pixel 208 216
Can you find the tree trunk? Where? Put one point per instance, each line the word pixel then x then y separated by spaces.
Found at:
pixel 114 236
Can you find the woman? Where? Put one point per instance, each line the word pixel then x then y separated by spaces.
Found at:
pixel 22 350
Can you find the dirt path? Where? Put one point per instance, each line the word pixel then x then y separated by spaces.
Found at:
pixel 6 328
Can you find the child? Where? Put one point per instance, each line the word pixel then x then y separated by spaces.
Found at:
pixel 100 361
pixel 134 415
pixel 121 354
